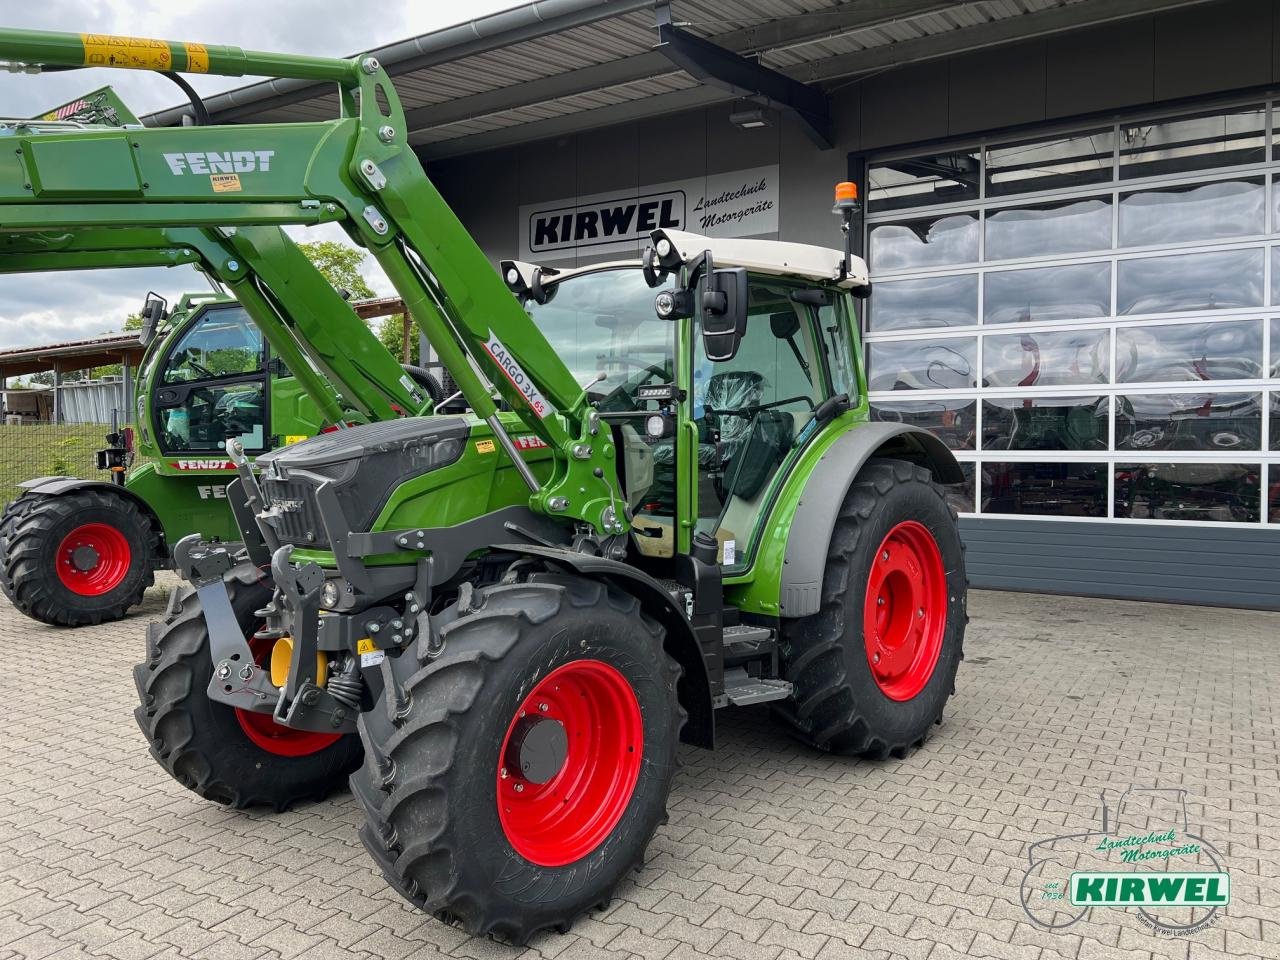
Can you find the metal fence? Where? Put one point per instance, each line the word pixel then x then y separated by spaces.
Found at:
pixel 41 449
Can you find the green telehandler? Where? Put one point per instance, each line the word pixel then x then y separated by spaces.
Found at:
pixel 77 551
pixel 500 623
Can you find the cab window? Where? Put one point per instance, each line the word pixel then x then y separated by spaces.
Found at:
pixel 212 385
pixel 752 411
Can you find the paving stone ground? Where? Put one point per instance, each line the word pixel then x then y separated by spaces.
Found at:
pixel 773 850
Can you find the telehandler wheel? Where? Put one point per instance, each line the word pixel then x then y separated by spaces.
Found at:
pixel 513 779
pixel 224 754
pixel 80 558
pixel 14 511
pixel 873 668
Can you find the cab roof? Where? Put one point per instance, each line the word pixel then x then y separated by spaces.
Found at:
pixel 784 259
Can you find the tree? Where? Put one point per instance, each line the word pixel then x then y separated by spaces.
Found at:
pixel 340 265
pixel 132 322
pixel 391 333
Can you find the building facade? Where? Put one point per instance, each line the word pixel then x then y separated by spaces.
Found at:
pixel 1072 213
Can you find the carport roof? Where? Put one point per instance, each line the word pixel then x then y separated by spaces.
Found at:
pixel 556 66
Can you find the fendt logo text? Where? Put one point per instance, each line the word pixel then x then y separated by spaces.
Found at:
pixel 230 161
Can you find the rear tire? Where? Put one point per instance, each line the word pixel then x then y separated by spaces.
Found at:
pixel 203 744
pixel 14 511
pixel 78 558
pixel 850 698
pixel 438 739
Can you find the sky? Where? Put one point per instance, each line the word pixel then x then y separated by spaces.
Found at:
pixel 46 308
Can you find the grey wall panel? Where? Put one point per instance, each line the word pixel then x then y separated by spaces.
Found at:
pixel 670 147
pixel 1184 564
pixel 997 90
pixel 807 179
pixel 1100 68
pixel 547 169
pixel 903 105
pixel 608 159
pixel 1220 46
pixel 733 148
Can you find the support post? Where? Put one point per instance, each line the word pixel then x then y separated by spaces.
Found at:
pixel 57 393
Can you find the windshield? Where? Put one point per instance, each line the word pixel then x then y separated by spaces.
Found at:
pixel 604 322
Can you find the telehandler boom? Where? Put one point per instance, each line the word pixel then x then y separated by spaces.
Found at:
pixel 500 624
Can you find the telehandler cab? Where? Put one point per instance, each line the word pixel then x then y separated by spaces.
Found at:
pixel 502 622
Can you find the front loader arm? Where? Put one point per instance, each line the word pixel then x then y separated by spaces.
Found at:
pixel 357 170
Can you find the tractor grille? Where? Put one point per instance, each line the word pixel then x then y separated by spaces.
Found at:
pixel 298 518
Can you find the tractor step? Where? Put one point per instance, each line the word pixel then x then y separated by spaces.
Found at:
pixel 742 690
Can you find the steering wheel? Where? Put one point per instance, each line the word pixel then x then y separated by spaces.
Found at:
pixel 648 371
pixel 189 358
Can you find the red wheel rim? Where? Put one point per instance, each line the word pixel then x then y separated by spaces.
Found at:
pixel 262 729
pixel 905 612
pixel 93 559
pixel 570 813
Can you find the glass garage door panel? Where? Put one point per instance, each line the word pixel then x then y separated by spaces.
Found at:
pixel 954 421
pixel 1045 488
pixel 1161 353
pixel 1200 141
pixel 1092 321
pixel 1193 281
pixel 1054 227
pixel 1222 492
pixel 929 302
pixel 922 364
pixel 1214 422
pixel 932 242
pixel 1056 163
pixel 1198 211
pixel 1045 423
pixel 1076 292
pixel 1046 358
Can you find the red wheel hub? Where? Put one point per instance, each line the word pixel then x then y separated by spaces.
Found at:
pixel 569 763
pixel 905 612
pixel 93 559
pixel 263 730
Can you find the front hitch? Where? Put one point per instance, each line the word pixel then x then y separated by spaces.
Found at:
pixel 303 705
pixel 237 680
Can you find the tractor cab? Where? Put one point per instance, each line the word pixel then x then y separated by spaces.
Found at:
pixel 703 434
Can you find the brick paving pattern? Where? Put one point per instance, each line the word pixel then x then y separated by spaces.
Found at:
pixel 773 851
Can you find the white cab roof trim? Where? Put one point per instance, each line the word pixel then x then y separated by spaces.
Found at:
pixel 762 256
pixel 771 256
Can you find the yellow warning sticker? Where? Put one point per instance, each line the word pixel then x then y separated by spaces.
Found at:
pixel 485 446
pixel 225 182
pixel 365 646
pixel 290 437
pixel 134 53
pixel 197 57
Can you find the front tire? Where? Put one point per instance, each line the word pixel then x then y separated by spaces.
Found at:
pixel 14 511
pixel 508 841
pixel 224 754
pixel 873 668
pixel 77 559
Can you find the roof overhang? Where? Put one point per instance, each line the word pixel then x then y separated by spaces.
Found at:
pixel 555 67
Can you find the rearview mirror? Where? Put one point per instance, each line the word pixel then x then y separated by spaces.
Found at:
pixel 723 295
pixel 154 309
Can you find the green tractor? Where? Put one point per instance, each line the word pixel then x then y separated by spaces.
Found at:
pixel 664 499
pixel 76 551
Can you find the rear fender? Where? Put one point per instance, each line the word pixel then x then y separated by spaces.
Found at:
pixel 60 486
pixel 680 643
pixel 824 492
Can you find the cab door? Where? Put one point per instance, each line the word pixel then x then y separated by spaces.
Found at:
pixel 754 412
pixel 212 386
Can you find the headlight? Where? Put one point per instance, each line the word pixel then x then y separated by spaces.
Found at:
pixel 330 594
pixel 664 304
